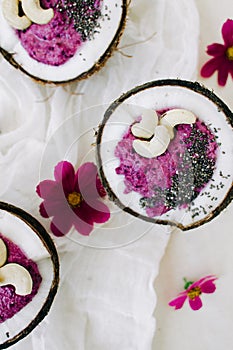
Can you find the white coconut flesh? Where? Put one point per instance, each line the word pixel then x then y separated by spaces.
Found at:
pixel 161 98
pixel 24 237
pixel 86 56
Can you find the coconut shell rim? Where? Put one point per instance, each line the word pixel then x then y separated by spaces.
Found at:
pixel 191 85
pixel 48 243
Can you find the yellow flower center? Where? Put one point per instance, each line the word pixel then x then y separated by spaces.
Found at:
pixel 74 199
pixel 229 53
pixel 194 292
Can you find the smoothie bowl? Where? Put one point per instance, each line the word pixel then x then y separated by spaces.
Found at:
pixel 29 274
pixel 60 40
pixel 165 153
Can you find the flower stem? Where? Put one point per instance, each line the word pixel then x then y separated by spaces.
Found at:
pixel 187 283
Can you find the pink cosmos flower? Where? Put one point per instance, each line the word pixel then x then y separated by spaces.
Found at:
pixel 222 60
pixel 73 199
pixel 193 292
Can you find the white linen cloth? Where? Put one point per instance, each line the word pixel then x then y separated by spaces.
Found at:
pixel 106 298
pixel 205 250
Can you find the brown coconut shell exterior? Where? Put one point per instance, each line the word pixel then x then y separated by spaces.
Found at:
pixel 194 86
pixel 94 69
pixel 51 249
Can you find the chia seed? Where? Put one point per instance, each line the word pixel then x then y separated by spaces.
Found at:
pixel 193 173
pixel 84 15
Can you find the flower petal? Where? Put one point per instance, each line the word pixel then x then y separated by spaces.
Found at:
pixel 195 304
pixel 60 225
pixel 227 32
pixel 64 173
pixel 216 49
pixel 53 207
pixel 209 278
pixel 83 227
pixel 200 281
pixel 86 181
pixel 223 74
pixel 43 212
pixel 55 230
pixel 208 287
pixel 98 212
pixel 86 216
pixel 211 66
pixel 44 188
pixel 178 302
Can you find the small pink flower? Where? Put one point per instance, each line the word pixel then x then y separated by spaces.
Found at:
pixel 74 198
pixel 193 292
pixel 222 60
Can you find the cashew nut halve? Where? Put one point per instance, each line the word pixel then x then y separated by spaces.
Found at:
pixel 156 146
pixel 36 13
pixel 3 252
pixel 10 10
pixel 175 117
pixel 145 128
pixel 17 276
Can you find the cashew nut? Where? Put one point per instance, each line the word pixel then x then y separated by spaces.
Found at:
pixel 156 146
pixel 145 128
pixel 163 132
pixel 175 117
pixel 10 10
pixel 17 276
pixel 14 274
pixel 36 13
pixel 3 253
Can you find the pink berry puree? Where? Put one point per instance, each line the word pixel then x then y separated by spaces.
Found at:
pixel 53 43
pixel 74 22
